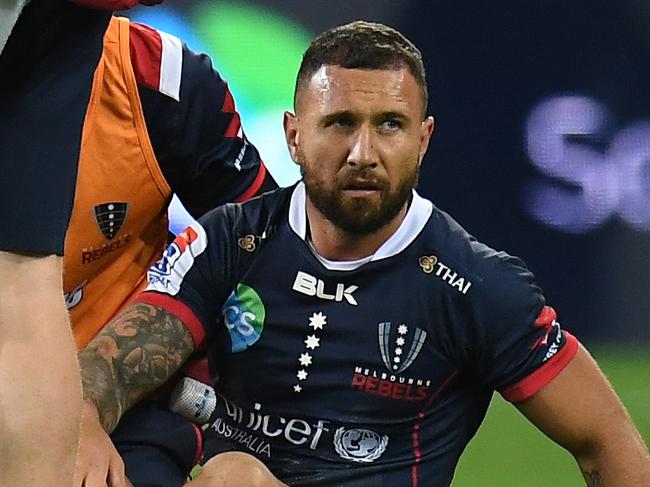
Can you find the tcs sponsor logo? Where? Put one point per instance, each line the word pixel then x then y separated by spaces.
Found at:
pixel 244 314
pixel 167 274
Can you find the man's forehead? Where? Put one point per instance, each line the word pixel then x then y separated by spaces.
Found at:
pixel 334 85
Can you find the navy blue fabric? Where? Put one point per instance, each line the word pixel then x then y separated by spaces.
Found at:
pixel 46 72
pixel 365 377
pixel 158 447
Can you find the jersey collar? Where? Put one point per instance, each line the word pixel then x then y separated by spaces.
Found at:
pixel 416 217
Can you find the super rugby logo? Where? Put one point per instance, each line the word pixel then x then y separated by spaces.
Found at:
pixel 168 273
pixel 110 218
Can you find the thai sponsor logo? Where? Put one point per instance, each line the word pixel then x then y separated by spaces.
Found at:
pixel 430 264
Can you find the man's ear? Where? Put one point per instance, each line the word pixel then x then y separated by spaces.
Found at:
pixel 425 136
pixel 291 134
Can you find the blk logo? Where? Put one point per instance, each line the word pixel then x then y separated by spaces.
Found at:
pixel 110 218
pixel 312 286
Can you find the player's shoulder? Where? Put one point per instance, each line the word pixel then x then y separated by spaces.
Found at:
pixel 257 216
pixel 494 273
pixel 163 63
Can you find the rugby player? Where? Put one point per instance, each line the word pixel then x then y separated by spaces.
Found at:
pixel 357 331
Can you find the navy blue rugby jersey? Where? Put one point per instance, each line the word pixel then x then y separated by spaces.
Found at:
pixel 368 373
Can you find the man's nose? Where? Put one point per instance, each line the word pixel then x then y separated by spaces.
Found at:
pixel 363 150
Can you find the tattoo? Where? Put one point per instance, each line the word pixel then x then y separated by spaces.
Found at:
pixel 593 479
pixel 133 355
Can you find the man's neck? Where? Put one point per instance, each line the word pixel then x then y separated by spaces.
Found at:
pixel 334 243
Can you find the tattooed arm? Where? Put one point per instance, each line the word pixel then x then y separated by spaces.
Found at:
pixel 580 411
pixel 133 355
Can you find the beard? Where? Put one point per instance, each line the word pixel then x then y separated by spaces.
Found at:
pixel 357 216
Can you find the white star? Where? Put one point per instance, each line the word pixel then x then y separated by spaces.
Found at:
pixel 312 342
pixel 305 359
pixel 402 329
pixel 302 374
pixel 400 341
pixel 397 360
pixel 398 351
pixel 297 388
pixel 317 321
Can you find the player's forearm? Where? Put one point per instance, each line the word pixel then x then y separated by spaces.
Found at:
pixel 40 402
pixel 133 355
pixel 621 460
pixel 620 463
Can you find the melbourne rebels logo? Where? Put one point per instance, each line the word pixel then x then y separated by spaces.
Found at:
pixel 399 357
pixel 110 218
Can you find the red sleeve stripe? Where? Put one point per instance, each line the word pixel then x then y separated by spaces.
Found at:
pixel 255 186
pixel 157 59
pixel 533 383
pixel 178 309
pixel 199 445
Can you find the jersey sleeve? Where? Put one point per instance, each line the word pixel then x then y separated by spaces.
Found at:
pixel 191 279
pixel 522 346
pixel 44 91
pixel 114 4
pixel 193 124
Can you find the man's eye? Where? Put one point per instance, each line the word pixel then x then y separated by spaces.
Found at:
pixel 391 124
pixel 340 122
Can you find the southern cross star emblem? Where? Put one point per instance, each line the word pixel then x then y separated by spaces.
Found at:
pixel 305 359
pixel 317 321
pixel 312 342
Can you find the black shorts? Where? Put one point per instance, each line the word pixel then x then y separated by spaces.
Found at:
pixel 159 448
pixel 46 72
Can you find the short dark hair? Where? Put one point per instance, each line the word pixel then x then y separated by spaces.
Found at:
pixel 363 45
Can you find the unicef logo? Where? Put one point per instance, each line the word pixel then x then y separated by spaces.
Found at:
pixel 359 445
pixel 244 315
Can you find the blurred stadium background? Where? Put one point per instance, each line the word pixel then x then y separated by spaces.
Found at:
pixel 542 149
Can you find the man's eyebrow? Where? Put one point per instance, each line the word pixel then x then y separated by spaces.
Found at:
pixel 339 114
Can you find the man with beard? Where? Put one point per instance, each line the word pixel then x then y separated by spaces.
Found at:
pixel 357 331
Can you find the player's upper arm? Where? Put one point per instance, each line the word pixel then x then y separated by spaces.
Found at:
pixel 194 126
pixel 578 407
pixel 521 345
pixel 192 278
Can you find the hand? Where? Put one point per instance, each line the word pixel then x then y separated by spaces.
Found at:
pixel 98 463
pixel 235 469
